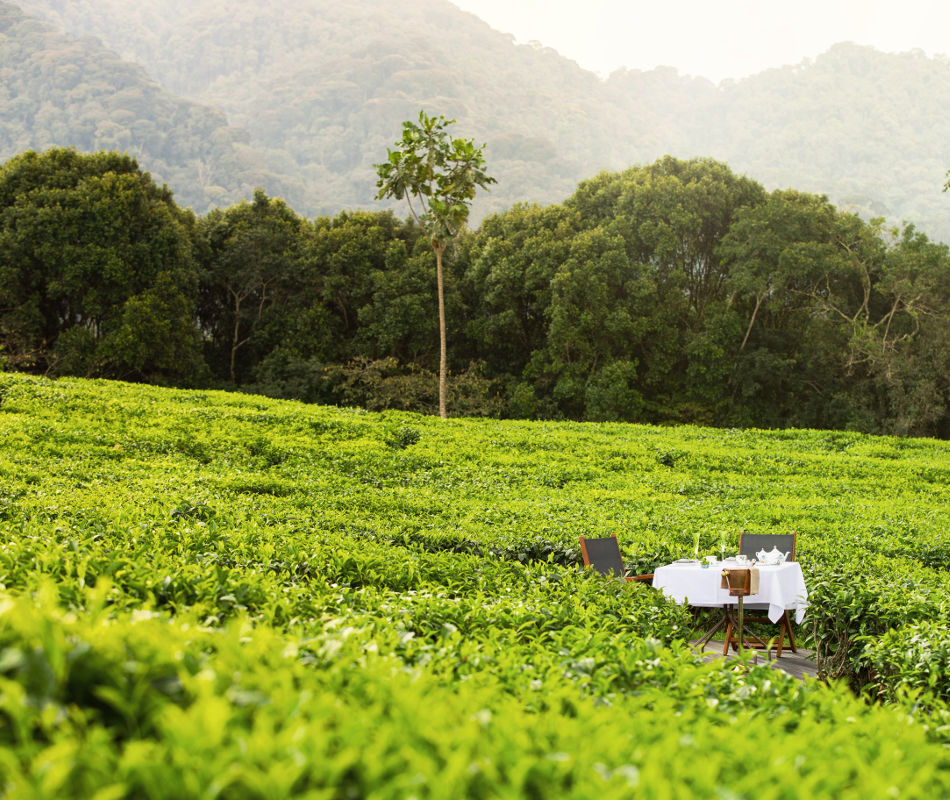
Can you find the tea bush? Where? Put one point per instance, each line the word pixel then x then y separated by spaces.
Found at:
pixel 138 704
pixel 207 594
pixel 913 657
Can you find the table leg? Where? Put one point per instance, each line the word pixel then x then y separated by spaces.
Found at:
pixel 706 637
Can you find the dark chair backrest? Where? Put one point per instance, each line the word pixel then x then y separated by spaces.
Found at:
pixel 603 555
pixel 752 543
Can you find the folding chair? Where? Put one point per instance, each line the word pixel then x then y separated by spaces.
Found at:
pixel 752 543
pixel 603 555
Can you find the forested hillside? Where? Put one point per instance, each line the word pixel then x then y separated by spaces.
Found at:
pixel 57 90
pixel 322 88
pixel 870 129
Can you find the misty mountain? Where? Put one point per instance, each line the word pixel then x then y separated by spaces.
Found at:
pixel 319 89
pixel 870 129
pixel 59 90
pixel 322 87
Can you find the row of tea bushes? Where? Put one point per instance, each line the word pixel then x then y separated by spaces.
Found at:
pixel 858 598
pixel 248 559
pixel 138 704
pixel 502 490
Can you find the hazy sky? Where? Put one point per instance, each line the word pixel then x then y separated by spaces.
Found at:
pixel 715 38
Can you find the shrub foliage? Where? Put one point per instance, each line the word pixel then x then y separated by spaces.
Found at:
pixel 208 594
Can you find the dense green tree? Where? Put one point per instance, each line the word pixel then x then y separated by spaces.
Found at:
pixel 376 277
pixel 437 176
pixel 775 251
pixel 749 364
pixel 889 317
pixel 251 261
pixel 396 320
pixel 832 312
pixel 343 302
pixel 508 269
pixel 672 215
pixel 638 272
pixel 594 320
pixel 97 275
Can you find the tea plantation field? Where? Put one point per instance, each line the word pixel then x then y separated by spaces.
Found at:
pixel 209 595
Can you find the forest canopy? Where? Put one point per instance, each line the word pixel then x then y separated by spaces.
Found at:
pixel 671 292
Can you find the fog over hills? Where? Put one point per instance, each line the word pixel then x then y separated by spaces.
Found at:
pixel 58 90
pixel 312 93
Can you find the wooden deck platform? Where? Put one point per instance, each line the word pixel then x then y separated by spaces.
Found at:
pixel 798 665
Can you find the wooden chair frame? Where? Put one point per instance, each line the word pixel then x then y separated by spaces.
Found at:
pixel 589 543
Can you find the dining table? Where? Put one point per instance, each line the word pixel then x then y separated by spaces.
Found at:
pixel 781 587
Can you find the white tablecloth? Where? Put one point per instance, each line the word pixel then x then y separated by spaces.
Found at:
pixel 780 587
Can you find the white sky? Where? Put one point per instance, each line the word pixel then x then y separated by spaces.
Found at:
pixel 715 39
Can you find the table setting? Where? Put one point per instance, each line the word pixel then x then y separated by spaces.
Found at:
pixel 776 582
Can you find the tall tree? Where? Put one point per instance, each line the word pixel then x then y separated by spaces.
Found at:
pixel 510 264
pixel 778 358
pixel 438 176
pixel 251 249
pixel 672 215
pixel 97 271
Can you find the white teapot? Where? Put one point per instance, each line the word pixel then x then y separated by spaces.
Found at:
pixel 773 556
